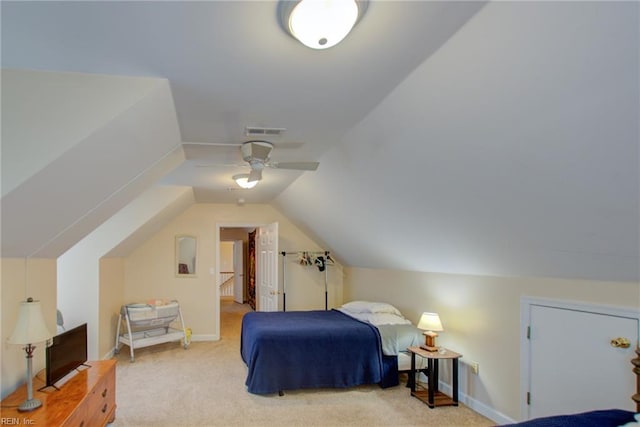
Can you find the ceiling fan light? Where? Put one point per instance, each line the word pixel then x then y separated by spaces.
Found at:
pixel 243 181
pixel 321 24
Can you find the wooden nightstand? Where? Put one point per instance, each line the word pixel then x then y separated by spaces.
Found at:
pixel 432 396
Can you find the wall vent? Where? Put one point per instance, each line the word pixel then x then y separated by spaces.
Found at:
pixel 262 131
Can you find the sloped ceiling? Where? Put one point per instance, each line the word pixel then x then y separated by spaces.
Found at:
pixel 99 152
pixel 41 108
pixel 459 137
pixel 230 65
pixel 143 217
pixel 511 151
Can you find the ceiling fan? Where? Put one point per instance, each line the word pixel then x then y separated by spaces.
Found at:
pixel 258 155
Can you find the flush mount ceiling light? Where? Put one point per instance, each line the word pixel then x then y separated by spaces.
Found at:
pixel 243 180
pixel 320 24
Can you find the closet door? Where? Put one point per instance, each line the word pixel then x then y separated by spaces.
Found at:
pixel 573 365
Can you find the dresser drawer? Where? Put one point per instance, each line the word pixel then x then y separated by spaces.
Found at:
pixel 101 402
pixel 79 418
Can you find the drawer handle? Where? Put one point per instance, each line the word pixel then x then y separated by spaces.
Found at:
pixel 104 408
pixel 104 393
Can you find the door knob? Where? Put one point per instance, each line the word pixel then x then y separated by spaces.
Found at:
pixel 620 342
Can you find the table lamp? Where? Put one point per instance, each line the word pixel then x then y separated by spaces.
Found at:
pixel 430 324
pixel 30 328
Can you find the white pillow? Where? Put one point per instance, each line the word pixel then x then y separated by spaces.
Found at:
pixel 383 307
pixel 377 318
pixel 386 319
pixel 357 306
pixel 370 307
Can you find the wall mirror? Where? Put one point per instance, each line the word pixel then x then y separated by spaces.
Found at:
pixel 186 251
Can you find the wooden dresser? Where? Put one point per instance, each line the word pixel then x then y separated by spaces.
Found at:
pixel 86 400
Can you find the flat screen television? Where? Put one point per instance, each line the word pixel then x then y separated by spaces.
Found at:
pixel 67 352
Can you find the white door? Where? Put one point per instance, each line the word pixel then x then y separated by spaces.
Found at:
pixel 238 269
pixel 267 268
pixel 573 365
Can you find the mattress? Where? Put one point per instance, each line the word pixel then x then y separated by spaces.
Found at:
pixel 311 349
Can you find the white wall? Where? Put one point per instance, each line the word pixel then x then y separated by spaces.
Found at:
pixel 149 270
pixel 481 319
pixel 311 295
pixel 78 290
pixel 111 299
pixel 79 267
pixel 226 256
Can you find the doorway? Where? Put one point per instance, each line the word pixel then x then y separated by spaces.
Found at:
pixel 263 265
pixel 233 273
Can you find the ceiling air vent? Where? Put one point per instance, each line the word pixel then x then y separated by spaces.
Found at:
pixel 262 131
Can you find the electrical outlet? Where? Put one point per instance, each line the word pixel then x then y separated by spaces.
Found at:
pixel 475 367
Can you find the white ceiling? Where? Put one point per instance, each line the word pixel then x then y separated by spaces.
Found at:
pixel 230 65
pixel 458 137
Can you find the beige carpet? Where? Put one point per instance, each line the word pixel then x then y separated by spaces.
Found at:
pixel 204 386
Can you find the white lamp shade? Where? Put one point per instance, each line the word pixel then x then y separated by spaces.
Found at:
pixel 243 181
pixel 430 322
pixel 30 327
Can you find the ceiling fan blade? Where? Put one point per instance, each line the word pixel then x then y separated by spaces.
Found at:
pixel 302 166
pixel 255 175
pixel 215 165
pixel 256 150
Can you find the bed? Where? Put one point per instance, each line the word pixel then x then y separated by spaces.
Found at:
pixel 324 348
pixel 601 418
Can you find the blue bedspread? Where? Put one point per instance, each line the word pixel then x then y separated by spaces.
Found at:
pixel 309 349
pixel 603 418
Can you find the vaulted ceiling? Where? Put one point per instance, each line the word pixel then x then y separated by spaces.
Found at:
pixel 494 138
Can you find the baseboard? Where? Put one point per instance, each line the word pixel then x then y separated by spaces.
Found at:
pixel 109 354
pixel 477 406
pixel 205 337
